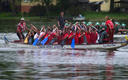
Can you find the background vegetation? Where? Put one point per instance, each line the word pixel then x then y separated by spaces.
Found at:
pixel 47 13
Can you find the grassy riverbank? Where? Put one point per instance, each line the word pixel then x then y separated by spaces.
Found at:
pixel 99 16
pixel 91 16
pixel 8 22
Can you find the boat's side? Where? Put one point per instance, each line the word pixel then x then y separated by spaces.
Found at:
pixel 92 46
pixel 98 46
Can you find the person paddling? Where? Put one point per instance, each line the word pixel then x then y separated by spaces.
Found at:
pixel 21 27
pixel 104 37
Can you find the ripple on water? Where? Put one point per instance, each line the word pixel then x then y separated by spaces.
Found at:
pixel 56 64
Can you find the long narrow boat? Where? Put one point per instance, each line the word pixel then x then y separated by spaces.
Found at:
pixel 92 46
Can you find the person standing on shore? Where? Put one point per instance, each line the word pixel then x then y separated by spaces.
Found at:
pixel 110 28
pixel 61 20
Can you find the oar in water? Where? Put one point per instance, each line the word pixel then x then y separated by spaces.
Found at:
pixel 5 39
pixel 44 41
pixel 26 39
pixel 35 41
pixel 73 43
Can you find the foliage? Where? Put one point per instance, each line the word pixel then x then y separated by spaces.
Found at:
pixel 100 16
pixel 65 4
pixel 37 11
pixel 74 11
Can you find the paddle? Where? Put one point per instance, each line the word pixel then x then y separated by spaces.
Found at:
pixel 73 43
pixel 44 41
pixel 35 42
pixel 5 39
pixel 26 39
pixel 126 37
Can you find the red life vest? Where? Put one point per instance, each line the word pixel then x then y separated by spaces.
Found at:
pixel 21 27
pixel 52 35
pixel 88 37
pixel 69 39
pixel 59 39
pixel 93 37
pixel 65 35
pixel 77 38
pixel 81 38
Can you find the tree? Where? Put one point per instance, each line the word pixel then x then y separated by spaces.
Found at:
pixel 111 5
pixel 13 6
pixel 65 4
pixel 4 5
pixel 45 3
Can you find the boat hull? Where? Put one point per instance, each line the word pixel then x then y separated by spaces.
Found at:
pixel 82 47
pixel 91 46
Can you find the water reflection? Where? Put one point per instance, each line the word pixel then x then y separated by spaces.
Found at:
pixel 61 64
pixel 109 65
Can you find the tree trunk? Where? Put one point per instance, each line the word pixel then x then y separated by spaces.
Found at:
pixel 13 7
pixel 111 5
pixel 47 11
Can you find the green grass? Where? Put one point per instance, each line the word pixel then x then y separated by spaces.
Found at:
pixel 100 16
pixel 90 16
pixel 8 22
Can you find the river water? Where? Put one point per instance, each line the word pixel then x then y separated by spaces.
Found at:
pixel 58 64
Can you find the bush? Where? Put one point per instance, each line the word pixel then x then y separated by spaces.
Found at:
pixel 5 14
pixel 37 11
pixel 74 11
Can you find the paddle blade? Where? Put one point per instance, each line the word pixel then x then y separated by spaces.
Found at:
pixel 44 41
pixel 35 42
pixel 73 43
pixel 26 40
pixel 5 39
pixel 126 38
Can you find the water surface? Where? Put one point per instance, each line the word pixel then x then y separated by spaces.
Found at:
pixel 58 64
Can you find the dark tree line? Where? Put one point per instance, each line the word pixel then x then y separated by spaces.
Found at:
pixel 69 6
pixel 112 5
pixel 10 6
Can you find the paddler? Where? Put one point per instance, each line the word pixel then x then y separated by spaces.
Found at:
pixel 53 36
pixel 104 37
pixel 110 28
pixel 97 25
pixel 88 33
pixel 64 36
pixel 123 26
pixel 70 36
pixel 117 27
pixel 21 27
pixel 84 25
pixel 81 36
pixel 93 36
